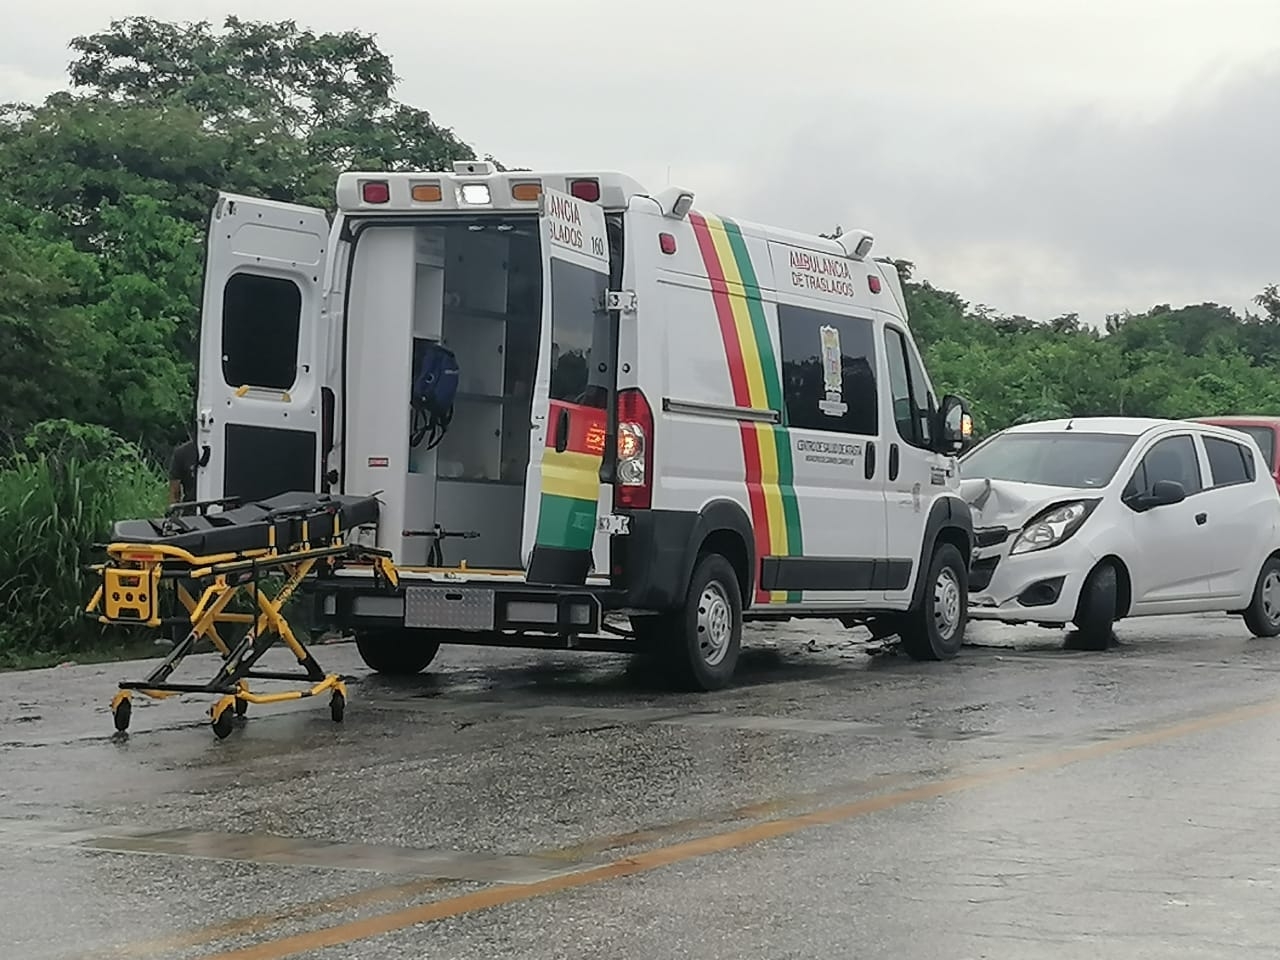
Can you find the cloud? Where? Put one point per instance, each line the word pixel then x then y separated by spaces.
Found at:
pixel 1083 209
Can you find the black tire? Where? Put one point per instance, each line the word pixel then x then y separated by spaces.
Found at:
pixel 1263 615
pixel 704 639
pixel 122 714
pixel 396 652
pixel 936 630
pixel 337 706
pixel 1096 608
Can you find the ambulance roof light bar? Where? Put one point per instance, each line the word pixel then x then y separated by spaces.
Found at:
pixel 856 244
pixel 474 168
pixel 675 202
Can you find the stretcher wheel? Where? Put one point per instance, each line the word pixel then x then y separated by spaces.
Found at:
pixel 122 713
pixel 337 706
pixel 224 716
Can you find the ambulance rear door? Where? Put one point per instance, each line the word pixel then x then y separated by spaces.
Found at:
pixel 259 394
pixel 563 493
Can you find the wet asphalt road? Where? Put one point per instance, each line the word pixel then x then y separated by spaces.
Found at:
pixel 1023 801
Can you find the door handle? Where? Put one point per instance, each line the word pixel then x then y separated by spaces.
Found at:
pixel 869 462
pixel 1201 518
pixel 893 461
pixel 562 430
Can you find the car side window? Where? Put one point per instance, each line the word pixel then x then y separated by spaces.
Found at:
pixel 1173 458
pixel 913 403
pixel 1230 463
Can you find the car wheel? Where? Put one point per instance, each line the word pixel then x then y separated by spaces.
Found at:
pixel 1096 608
pixel 936 630
pixel 396 652
pixel 1263 616
pixel 705 637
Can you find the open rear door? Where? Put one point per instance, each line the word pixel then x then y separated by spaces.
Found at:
pixel 260 374
pixel 563 493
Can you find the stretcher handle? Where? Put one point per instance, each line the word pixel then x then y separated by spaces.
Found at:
pixel 203 506
pixel 440 534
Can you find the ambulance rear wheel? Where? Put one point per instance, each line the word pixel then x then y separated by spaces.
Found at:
pixel 396 652
pixel 705 637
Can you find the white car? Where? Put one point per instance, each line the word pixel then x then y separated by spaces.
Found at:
pixel 1090 520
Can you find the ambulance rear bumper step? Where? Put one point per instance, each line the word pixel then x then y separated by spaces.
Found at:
pixel 474 608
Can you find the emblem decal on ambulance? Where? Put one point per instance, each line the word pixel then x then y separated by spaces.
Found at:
pixel 832 373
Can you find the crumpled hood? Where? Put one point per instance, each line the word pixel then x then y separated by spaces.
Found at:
pixel 1006 503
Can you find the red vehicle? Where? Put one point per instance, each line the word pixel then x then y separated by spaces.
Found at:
pixel 1264 430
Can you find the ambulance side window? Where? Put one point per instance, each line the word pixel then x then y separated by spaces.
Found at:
pixel 579 328
pixel 828 370
pixel 261 323
pixel 913 402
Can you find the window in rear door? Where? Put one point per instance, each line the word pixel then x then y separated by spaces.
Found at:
pixel 261 324
pixel 579 334
pixel 1230 463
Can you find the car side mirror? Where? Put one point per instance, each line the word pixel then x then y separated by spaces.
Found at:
pixel 1163 493
pixel 954 425
pixel 1166 492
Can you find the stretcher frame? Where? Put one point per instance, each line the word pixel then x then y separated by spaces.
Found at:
pixel 134 575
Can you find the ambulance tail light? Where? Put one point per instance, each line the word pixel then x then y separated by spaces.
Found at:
pixel 634 489
pixel 375 191
pixel 588 190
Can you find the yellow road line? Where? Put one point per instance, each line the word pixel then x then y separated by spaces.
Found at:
pixel 649 860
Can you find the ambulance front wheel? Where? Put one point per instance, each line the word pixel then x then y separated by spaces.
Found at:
pixel 706 636
pixel 936 630
pixel 395 651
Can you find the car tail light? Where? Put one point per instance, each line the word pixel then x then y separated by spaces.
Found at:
pixel 634 487
pixel 588 190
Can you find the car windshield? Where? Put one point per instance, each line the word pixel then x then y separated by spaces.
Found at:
pixel 1052 459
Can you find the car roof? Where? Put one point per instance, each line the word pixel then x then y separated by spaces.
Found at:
pixel 1260 420
pixel 1117 426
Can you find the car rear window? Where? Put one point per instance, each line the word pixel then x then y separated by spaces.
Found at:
pixel 1230 462
pixel 1266 440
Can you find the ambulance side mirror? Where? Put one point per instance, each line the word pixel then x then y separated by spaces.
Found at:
pixel 955 425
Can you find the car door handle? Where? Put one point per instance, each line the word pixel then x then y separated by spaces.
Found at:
pixel 869 464
pixel 562 430
pixel 1201 518
pixel 893 461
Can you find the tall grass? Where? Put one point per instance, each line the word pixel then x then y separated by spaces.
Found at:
pixel 61 488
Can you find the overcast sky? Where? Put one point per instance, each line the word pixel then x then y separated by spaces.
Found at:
pixel 1038 156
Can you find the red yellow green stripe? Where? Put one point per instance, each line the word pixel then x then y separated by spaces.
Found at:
pixel 756 382
pixel 571 479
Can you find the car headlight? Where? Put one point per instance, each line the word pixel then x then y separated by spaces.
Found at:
pixel 1051 527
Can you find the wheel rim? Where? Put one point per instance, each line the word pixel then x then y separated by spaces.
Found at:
pixel 1271 596
pixel 947 601
pixel 715 624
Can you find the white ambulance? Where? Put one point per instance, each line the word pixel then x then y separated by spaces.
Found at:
pixel 662 418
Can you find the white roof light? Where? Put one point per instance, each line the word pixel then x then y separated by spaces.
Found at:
pixel 474 193
pixel 856 244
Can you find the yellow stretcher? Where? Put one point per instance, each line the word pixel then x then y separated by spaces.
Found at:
pixel 206 563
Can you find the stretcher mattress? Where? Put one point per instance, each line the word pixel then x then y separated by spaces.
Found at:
pixel 248 527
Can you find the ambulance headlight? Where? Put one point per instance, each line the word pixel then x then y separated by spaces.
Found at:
pixel 475 193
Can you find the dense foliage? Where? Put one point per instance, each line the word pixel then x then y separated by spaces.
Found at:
pixel 104 193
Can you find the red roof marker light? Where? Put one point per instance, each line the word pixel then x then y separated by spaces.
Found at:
pixel 375 191
pixel 667 242
pixel 588 190
pixel 873 282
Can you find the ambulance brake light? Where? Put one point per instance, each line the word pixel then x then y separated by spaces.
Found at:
pixel 375 191
pixel 634 486
pixel 588 190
